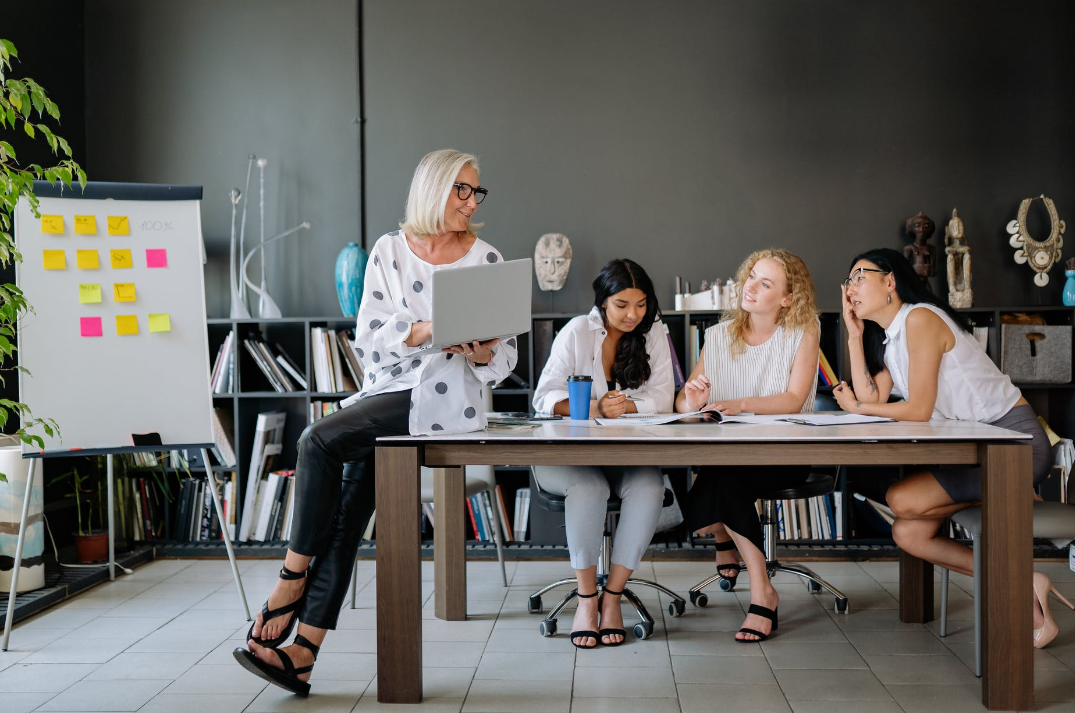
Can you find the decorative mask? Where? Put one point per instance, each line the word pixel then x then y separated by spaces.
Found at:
pixel 1041 256
pixel 552 260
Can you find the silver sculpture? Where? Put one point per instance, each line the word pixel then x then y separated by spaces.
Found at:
pixel 1040 255
pixel 960 294
pixel 239 308
pixel 266 305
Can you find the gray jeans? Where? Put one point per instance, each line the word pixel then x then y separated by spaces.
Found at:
pixel 586 490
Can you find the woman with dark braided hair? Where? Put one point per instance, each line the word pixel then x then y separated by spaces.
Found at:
pixel 621 345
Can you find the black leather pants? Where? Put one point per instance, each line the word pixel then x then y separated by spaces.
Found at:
pixel 334 496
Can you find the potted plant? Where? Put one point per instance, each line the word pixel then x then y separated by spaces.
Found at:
pixel 87 489
pixel 25 109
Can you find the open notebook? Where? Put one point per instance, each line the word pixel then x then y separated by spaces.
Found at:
pixel 805 419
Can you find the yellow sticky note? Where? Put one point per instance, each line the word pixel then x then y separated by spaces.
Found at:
pixel 86 225
pixel 121 259
pixel 52 224
pixel 126 324
pixel 88 294
pixel 118 225
pixel 124 291
pixel 87 260
pixel 54 260
pixel 160 323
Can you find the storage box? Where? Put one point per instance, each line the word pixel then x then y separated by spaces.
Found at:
pixel 1032 353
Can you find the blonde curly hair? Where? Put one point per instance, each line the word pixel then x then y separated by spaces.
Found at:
pixel 803 310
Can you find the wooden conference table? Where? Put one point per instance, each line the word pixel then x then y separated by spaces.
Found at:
pixel 1007 670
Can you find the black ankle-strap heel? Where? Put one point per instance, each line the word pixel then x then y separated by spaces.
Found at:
pixel 735 566
pixel 610 632
pixel 286 678
pixel 596 636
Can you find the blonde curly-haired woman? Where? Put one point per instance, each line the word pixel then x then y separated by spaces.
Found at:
pixel 762 357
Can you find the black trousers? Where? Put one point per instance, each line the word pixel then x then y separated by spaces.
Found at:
pixel 335 496
pixel 727 494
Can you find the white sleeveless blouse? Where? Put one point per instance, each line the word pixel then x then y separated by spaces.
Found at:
pixel 764 370
pixel 970 387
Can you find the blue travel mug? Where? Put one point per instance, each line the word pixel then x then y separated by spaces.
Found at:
pixel 578 396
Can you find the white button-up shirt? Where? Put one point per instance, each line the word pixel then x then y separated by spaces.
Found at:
pixel 577 350
pixel 446 389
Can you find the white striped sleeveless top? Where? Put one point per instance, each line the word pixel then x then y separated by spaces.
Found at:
pixel 764 370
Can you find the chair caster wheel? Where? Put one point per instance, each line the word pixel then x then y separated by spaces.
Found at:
pixel 547 628
pixel 533 605
pixel 813 586
pixel 676 607
pixel 643 630
pixel 726 585
pixel 699 599
pixel 842 606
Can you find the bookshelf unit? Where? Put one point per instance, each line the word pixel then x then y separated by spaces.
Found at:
pixel 253 394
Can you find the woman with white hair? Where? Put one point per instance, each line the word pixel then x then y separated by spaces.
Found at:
pixel 408 388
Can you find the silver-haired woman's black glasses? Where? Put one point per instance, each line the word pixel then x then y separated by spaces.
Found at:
pixel 857 277
pixel 464 191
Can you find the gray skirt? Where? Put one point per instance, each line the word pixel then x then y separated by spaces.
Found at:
pixel 963 483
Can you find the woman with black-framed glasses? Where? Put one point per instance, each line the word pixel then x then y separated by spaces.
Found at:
pixel 903 340
pixel 407 388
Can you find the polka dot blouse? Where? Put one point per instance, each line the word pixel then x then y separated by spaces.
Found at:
pixel 445 388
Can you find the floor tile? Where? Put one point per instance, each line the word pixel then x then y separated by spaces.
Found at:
pixel 30 678
pixel 216 679
pixel 517 697
pixel 626 705
pixel 845 706
pixel 631 653
pixel 79 650
pixel 897 642
pixel 921 670
pixel 527 667
pixel 200 702
pixel 783 655
pixel 28 640
pixel 595 682
pixel 166 640
pixel 753 670
pixel 428 705
pixel 325 697
pixel 831 685
pixel 447 654
pixel 127 666
pixel 104 696
pixel 702 698
pixel 964 698
pixel 471 630
pixel 438 683
pixel 24 702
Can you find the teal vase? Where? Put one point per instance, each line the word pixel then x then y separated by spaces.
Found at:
pixel 1069 288
pixel 350 274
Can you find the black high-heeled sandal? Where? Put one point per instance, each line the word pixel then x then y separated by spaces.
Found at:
pixel 735 566
pixel 267 614
pixel 596 636
pixel 287 677
pixel 611 632
pixel 761 611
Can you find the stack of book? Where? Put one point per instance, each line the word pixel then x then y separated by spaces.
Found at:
pixel 195 519
pixel 223 429
pixel 825 373
pixel 274 505
pixel 223 375
pixel 817 518
pixel 483 513
pixel 320 409
pixel 335 364
pixel 281 371
pixel 268 440
pixel 522 514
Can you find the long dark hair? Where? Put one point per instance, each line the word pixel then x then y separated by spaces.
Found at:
pixel 630 367
pixel 909 288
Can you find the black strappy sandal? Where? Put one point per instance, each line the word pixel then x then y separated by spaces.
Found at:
pixel 287 677
pixel 596 636
pixel 766 612
pixel 734 566
pixel 267 614
pixel 611 632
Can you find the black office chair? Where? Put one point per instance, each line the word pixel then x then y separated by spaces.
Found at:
pixel 644 628
pixel 816 484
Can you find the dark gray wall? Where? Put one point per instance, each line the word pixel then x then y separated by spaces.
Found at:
pixel 686 134
pixel 182 92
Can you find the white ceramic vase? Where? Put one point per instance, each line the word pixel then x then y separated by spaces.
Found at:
pixel 32 572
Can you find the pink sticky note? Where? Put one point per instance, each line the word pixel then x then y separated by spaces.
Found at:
pixel 91 327
pixel 157 258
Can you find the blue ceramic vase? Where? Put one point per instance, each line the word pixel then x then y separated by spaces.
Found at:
pixel 1069 288
pixel 350 274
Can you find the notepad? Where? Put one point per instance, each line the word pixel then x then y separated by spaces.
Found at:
pixel 832 419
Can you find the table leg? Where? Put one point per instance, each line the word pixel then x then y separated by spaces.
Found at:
pixel 1007 566
pixel 916 589
pixel 449 544
pixel 399 577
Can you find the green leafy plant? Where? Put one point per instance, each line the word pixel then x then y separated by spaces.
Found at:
pixel 87 493
pixel 20 100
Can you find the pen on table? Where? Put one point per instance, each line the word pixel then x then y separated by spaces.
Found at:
pixel 629 398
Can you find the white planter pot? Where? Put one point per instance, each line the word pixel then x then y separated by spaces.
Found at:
pixel 32 572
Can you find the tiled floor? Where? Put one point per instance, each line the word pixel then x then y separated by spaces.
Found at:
pixel 161 640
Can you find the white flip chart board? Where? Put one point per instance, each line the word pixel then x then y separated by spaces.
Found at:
pixel 117 344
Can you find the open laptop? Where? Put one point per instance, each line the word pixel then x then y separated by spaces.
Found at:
pixel 481 302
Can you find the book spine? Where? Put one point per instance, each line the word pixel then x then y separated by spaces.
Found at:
pixel 677 368
pixel 473 521
pixel 503 508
